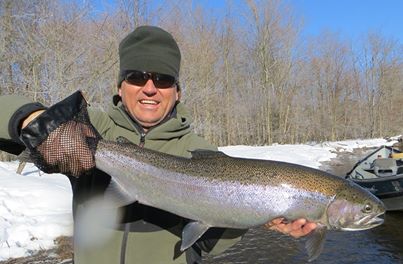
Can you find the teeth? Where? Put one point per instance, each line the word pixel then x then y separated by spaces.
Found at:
pixel 148 102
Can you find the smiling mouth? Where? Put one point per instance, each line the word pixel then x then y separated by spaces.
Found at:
pixel 149 102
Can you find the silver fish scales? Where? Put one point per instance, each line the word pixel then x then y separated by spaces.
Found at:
pixel 216 190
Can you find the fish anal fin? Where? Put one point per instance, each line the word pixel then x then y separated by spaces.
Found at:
pixel 191 233
pixel 315 242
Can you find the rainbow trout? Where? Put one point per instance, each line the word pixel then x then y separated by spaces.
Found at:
pixel 216 190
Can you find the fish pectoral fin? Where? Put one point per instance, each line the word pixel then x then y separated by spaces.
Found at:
pixel 315 242
pixel 191 233
pixel 117 196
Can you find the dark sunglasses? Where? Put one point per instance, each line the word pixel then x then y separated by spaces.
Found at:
pixel 140 78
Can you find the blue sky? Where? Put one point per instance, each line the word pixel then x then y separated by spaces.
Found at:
pixel 350 18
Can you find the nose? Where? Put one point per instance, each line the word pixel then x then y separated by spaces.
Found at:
pixel 149 88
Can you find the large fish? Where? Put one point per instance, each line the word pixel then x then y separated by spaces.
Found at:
pixel 216 190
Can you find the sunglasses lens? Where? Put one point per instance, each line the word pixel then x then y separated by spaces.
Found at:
pixel 163 80
pixel 137 78
pixel 140 79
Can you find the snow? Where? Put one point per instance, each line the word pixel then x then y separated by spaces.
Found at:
pixel 35 208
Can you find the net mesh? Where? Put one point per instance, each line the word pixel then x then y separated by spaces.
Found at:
pixel 68 149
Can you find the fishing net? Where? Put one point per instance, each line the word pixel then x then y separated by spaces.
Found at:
pixel 62 139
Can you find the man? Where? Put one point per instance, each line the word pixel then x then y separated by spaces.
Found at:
pixel 147 111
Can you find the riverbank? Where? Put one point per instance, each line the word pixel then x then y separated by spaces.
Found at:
pixel 61 254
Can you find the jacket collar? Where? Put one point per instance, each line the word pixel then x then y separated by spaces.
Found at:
pixel 175 125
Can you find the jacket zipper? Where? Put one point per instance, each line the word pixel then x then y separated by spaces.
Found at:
pixel 127 225
pixel 142 139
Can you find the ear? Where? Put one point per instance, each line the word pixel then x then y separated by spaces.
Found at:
pixel 120 91
pixel 178 95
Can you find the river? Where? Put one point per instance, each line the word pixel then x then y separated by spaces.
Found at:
pixel 381 245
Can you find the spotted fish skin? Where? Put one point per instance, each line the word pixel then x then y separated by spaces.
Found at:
pixel 216 190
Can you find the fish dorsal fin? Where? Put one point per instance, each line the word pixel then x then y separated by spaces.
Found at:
pixel 123 140
pixel 207 154
pixel 191 233
pixel 314 244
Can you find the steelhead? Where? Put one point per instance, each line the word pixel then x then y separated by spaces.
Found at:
pixel 216 190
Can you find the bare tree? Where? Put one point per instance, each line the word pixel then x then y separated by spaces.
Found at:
pixel 246 76
pixel 329 59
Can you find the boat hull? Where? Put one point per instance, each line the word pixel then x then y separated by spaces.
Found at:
pixel 389 190
pixel 387 182
pixel 394 203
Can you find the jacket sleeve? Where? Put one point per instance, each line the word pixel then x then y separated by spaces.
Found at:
pixel 14 110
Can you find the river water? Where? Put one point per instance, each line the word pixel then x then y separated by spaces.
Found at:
pixel 381 245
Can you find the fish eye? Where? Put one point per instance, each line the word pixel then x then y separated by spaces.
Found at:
pixel 367 208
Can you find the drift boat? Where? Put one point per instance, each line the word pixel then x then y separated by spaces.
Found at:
pixel 381 172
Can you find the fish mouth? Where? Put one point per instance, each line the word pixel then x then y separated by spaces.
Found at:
pixel 375 221
pixel 367 222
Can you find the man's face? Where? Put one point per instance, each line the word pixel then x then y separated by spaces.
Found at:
pixel 147 104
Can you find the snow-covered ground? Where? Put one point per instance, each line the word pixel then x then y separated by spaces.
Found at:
pixel 35 208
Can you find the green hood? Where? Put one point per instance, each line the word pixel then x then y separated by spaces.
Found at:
pixel 173 136
pixel 174 127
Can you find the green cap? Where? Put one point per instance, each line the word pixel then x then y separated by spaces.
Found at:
pixel 149 49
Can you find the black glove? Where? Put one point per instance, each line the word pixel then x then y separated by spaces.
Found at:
pixel 62 139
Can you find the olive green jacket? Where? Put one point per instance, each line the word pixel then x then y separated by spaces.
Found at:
pixel 145 234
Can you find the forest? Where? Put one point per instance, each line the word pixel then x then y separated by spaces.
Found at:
pixel 248 75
